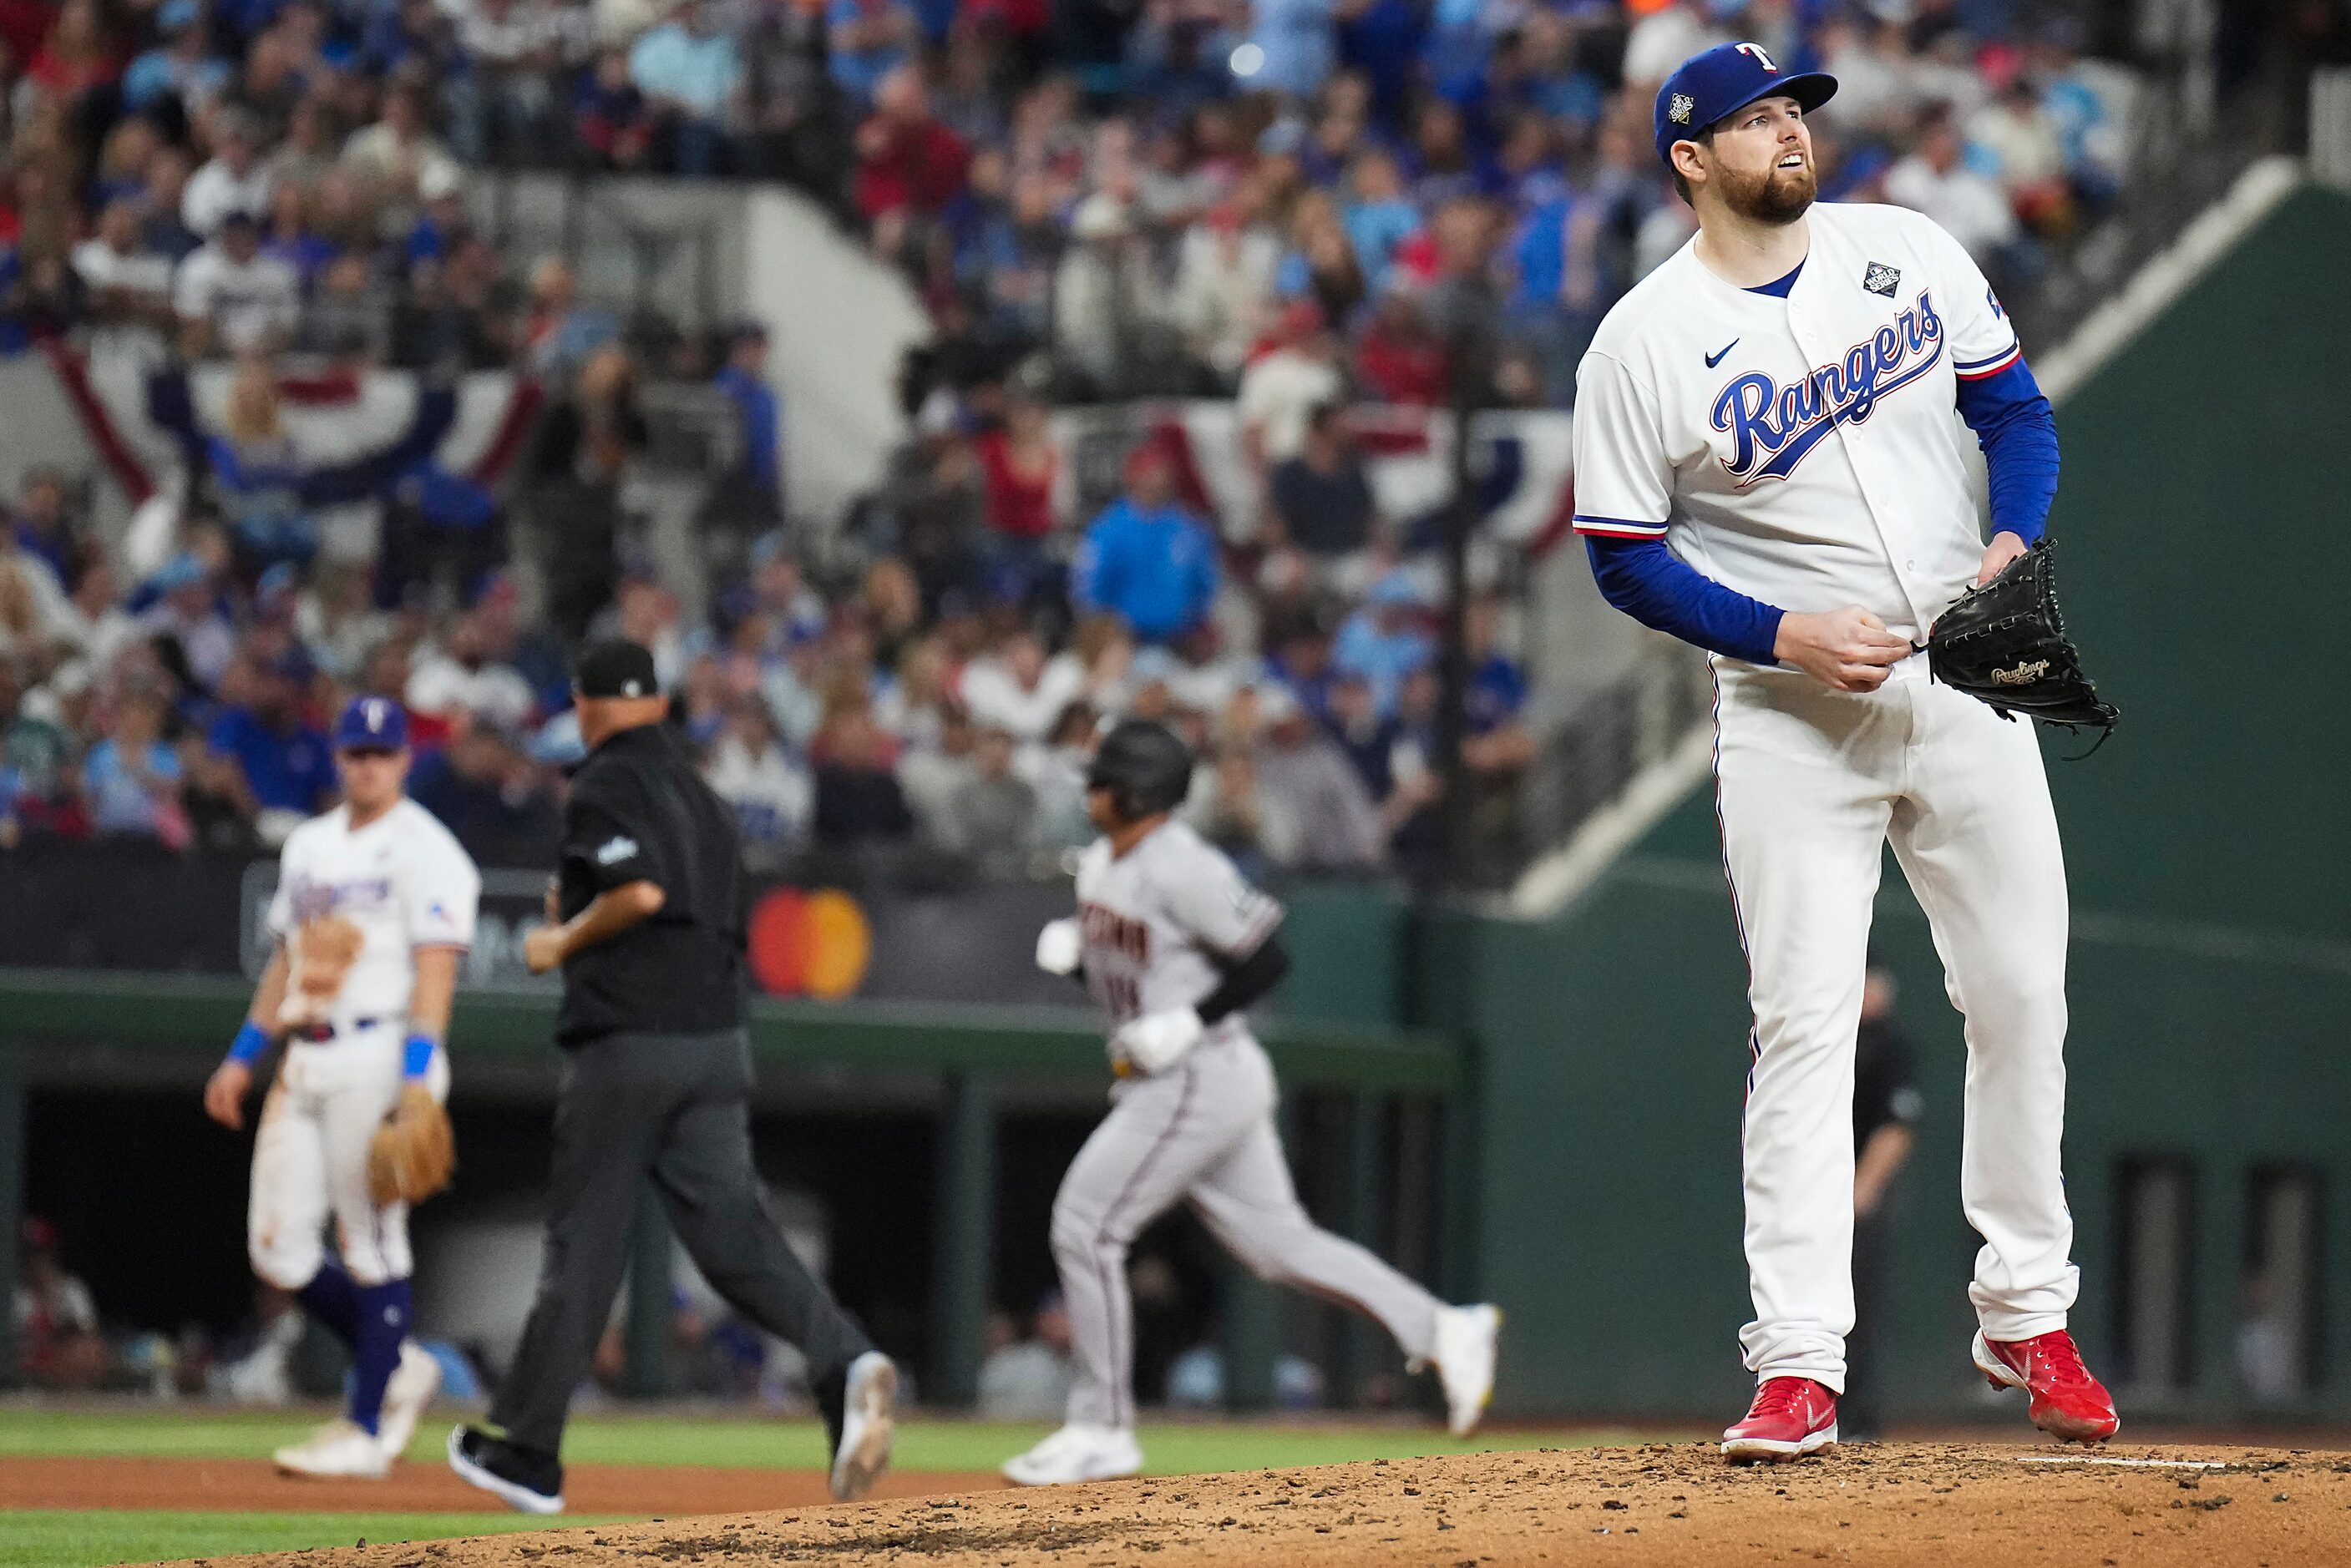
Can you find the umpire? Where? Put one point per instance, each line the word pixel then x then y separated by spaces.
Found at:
pixel 656 1082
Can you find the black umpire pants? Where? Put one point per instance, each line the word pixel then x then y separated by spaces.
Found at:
pixel 676 1107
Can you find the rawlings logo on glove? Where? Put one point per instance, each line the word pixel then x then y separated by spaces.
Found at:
pixel 2005 644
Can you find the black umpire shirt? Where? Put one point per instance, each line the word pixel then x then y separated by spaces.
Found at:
pixel 1884 1080
pixel 640 813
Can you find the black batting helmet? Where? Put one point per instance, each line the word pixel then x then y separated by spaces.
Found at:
pixel 1144 766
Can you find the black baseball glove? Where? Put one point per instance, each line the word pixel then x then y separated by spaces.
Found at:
pixel 2005 643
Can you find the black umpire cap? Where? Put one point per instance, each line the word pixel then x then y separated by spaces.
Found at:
pixel 616 668
pixel 1147 768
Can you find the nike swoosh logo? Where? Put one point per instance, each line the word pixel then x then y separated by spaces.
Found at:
pixel 1716 358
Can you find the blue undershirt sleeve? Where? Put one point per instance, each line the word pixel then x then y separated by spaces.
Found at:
pixel 2018 431
pixel 1647 582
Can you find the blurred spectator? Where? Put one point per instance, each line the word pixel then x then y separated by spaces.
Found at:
pixel 908 160
pixel 128 285
pixel 232 181
pixel 187 610
pixel 772 794
pixel 348 317
pixel 579 456
pixel 1386 640
pixel 1935 180
pixel 500 104
pixel 284 770
pixel 1017 689
pixel 857 798
pixel 609 115
pixel 866 39
pixel 1337 826
pixel 991 818
pixel 1885 1107
pixel 399 164
pixel 1027 1379
pixel 1148 559
pixel 1400 358
pixel 1280 390
pixel 2021 139
pixel 1231 807
pixel 131 777
pixel 464 679
pixel 1224 285
pixel 47 528
pixel 690 73
pixel 748 498
pixel 1020 466
pixel 229 295
pixel 489 793
pixel 1322 501
pixel 559 333
pixel 59 1345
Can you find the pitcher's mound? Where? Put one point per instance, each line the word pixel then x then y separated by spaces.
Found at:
pixel 1950 1505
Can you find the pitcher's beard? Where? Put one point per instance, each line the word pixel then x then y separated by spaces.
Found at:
pixel 1777 196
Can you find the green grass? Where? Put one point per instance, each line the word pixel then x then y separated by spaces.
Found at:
pixel 738 1442
pixel 67 1538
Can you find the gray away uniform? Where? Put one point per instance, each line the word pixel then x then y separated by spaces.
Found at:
pixel 1202 1129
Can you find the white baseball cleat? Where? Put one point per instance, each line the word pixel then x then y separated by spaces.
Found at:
pixel 410 1389
pixel 340 1448
pixel 869 1425
pixel 1077 1453
pixel 1465 1352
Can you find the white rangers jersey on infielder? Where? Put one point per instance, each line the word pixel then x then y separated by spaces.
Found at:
pixel 403 879
pixel 1804 452
pixel 1155 918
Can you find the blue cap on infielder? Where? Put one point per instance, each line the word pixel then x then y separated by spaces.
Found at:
pixel 372 724
pixel 1722 80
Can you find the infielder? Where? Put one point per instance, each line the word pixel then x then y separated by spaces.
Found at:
pixel 1173 944
pixel 1768 464
pixel 374 905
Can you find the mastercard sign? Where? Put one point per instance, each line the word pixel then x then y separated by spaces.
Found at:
pixel 810 943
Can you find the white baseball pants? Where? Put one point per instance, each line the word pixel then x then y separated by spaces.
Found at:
pixel 1811 783
pixel 310 1160
pixel 1202 1130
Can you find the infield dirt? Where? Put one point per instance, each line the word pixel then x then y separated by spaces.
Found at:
pixel 1950 1505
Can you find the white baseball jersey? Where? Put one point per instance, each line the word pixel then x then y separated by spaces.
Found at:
pixel 1805 451
pixel 403 879
pixel 1155 918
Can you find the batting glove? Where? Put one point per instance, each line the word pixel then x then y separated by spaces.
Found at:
pixel 1154 1041
pixel 1060 946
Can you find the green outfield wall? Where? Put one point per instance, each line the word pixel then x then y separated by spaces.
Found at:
pixel 2204 529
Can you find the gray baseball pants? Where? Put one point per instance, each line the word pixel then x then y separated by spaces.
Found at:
pixel 1203 1130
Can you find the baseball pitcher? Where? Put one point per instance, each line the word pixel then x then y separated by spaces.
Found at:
pixel 1173 944
pixel 374 906
pixel 1768 464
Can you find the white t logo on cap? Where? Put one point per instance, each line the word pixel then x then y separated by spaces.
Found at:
pixel 1755 52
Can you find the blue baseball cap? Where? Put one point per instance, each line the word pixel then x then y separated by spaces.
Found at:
pixel 1723 80
pixel 373 724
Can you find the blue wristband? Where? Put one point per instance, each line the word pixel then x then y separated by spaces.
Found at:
pixel 249 1043
pixel 418 1057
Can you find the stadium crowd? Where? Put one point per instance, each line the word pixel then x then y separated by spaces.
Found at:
pixel 1301 203
pixel 1143 187
pixel 920 716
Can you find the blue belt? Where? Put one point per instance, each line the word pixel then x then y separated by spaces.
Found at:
pixel 320 1033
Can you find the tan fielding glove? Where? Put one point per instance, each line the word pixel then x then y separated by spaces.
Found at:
pixel 412 1155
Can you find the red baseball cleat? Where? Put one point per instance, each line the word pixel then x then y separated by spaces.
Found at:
pixel 2067 1402
pixel 1792 1417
